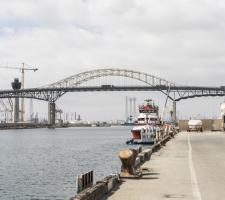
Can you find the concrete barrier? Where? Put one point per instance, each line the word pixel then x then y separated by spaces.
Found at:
pixel 137 162
pixel 110 181
pixel 183 125
pixel 166 139
pixel 99 190
pixel 217 125
pixel 141 157
pixel 207 124
pixel 148 153
pixel 156 147
pixel 139 149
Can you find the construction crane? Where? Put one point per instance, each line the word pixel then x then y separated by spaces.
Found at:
pixel 23 68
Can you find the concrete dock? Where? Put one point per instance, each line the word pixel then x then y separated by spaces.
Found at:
pixel 190 166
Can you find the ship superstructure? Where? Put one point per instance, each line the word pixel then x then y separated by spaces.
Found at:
pixel 148 125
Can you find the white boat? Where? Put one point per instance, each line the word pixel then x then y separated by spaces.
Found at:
pixel 148 127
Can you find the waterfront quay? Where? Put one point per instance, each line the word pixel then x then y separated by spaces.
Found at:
pixel 190 166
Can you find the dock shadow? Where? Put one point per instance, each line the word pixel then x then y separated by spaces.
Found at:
pixel 174 196
pixel 148 178
pixel 145 176
pixel 150 173
pixel 117 187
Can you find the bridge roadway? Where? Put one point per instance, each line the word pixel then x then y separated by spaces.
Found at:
pixel 191 167
pixel 51 94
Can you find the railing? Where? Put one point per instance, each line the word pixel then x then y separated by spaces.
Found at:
pixel 84 181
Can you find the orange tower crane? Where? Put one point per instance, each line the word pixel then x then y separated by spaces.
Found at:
pixel 23 68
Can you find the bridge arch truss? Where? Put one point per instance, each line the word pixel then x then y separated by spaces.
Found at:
pixel 80 78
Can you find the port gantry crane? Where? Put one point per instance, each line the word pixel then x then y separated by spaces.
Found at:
pixel 23 68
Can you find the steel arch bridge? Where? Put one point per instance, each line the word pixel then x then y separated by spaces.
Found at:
pixel 73 83
pixel 77 79
pixel 52 92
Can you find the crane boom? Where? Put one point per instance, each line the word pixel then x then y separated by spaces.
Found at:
pixel 22 69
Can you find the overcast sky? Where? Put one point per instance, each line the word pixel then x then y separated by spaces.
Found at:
pixel 180 40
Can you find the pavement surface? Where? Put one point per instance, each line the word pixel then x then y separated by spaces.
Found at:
pixel 190 166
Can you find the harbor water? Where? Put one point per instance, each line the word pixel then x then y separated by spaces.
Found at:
pixel 42 164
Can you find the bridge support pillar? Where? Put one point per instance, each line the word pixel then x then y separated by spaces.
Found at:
pixel 174 117
pixel 51 113
pixel 16 110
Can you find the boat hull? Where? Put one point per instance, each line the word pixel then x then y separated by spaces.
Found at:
pixel 133 142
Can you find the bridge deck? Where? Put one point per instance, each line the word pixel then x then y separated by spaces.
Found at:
pixel 187 168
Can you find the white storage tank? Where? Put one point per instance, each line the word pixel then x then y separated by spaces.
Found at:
pixel 222 110
pixel 195 125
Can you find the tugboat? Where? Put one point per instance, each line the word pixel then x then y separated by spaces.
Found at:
pixel 148 126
